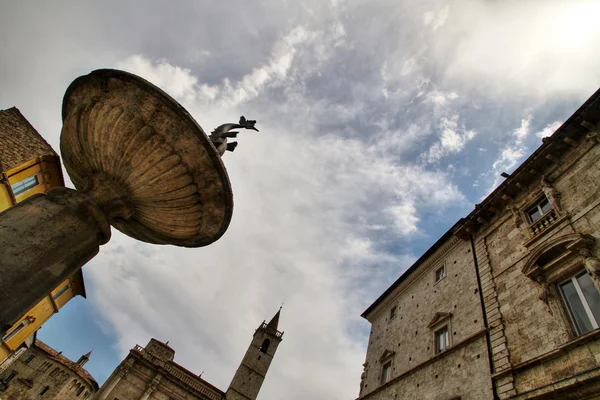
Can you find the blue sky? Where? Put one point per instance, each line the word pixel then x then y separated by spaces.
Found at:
pixel 381 124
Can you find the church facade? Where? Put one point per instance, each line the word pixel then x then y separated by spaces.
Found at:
pixel 41 372
pixel 150 372
pixel 506 304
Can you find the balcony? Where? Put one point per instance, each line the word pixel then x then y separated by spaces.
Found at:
pixel 544 222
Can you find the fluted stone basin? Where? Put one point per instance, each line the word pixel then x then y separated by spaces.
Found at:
pixel 139 162
pixel 143 158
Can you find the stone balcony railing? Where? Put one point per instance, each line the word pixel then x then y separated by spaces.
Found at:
pixel 277 333
pixel 544 222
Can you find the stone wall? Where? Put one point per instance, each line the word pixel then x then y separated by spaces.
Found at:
pixel 33 374
pixel 144 376
pixel 408 338
pixel 535 345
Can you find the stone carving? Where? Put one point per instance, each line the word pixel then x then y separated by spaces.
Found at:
pixel 516 214
pixel 594 136
pixel 552 194
pixel 222 132
pixel 545 292
pixel 363 376
pixel 123 370
pixel 591 263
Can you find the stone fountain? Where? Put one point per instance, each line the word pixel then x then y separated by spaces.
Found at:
pixel 139 162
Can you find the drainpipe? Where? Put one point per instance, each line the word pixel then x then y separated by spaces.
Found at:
pixel 485 321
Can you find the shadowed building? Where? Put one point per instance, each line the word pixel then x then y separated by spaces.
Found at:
pixel 506 304
pixel 150 372
pixel 28 166
pixel 42 372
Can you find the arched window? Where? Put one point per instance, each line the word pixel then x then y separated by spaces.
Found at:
pixel 265 346
pixel 44 390
pixel 54 371
pixel 80 390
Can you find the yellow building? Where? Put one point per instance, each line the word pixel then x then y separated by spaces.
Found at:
pixel 29 165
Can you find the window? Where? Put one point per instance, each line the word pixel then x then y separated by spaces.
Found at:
pixel 80 390
pixel 582 302
pixel 28 360
pixel 44 390
pixel 442 340
pixel 9 377
pixel 25 184
pixel 386 372
pixel 54 371
pixel 539 209
pixel 60 292
pixel 393 312
pixel 440 273
pixel 12 333
pixel 265 346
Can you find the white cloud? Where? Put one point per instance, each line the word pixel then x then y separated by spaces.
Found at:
pixel 436 19
pixel 176 81
pixel 538 48
pixel 308 212
pixel 522 131
pixel 453 138
pixel 549 129
pixel 441 98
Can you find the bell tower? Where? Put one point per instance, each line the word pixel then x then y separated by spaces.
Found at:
pixel 251 373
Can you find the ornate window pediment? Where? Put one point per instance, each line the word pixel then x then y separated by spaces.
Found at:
pixel 558 257
pixel 387 354
pixel 438 319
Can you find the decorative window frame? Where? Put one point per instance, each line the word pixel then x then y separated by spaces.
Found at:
pixel 393 313
pixel 583 299
pixel 562 266
pixel 576 255
pixel 442 266
pixel 387 358
pixel 439 321
pixel 549 221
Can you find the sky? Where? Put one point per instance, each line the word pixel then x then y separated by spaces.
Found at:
pixel 382 122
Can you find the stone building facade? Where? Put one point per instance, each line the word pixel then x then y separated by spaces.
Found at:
pixel 29 166
pixel 506 305
pixel 427 331
pixel 150 373
pixel 537 241
pixel 44 373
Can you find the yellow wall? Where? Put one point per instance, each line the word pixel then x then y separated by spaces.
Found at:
pixel 47 170
pixel 5 197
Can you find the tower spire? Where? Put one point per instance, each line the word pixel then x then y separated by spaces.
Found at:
pixel 251 373
pixel 84 358
pixel 274 322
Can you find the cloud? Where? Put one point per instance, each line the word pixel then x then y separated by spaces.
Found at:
pixel 310 211
pixel 453 137
pixel 522 131
pixel 372 135
pixel 537 48
pixel 549 129
pixel 436 19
